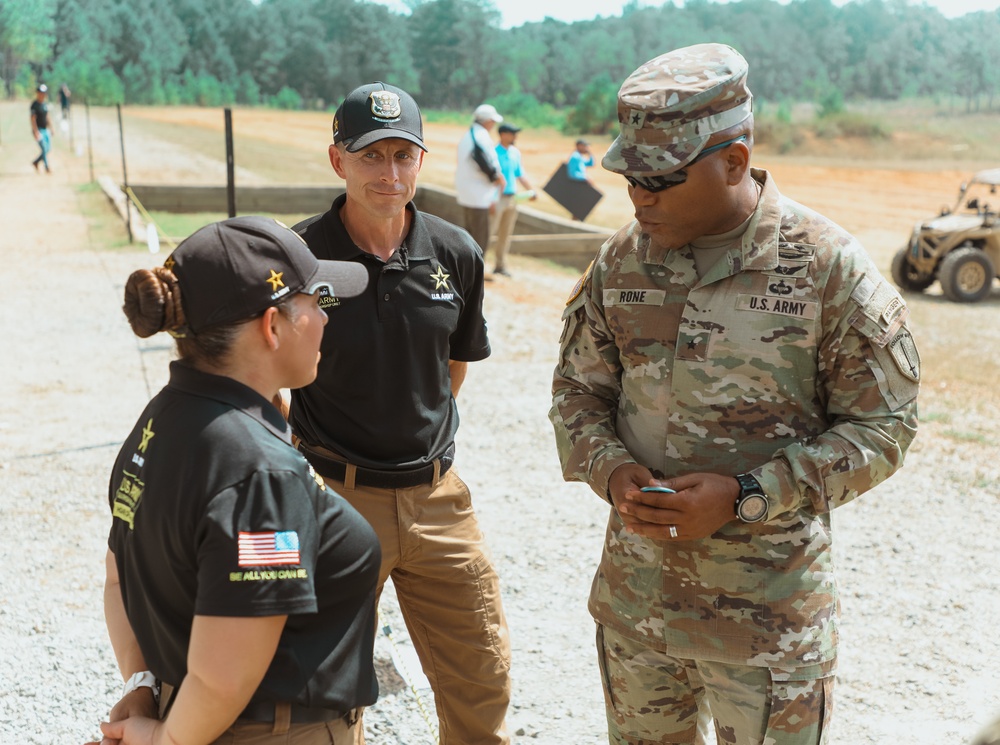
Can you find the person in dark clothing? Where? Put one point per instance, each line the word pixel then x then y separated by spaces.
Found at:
pixel 240 594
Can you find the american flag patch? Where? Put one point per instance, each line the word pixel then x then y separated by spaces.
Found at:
pixel 268 548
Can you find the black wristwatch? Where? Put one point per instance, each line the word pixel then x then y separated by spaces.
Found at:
pixel 751 504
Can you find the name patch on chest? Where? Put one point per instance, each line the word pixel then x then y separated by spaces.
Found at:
pixel 634 297
pixel 780 306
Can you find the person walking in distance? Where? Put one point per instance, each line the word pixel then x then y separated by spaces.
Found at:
pixel 65 98
pixel 379 422
pixel 579 161
pixel 732 368
pixel 478 178
pixel 505 216
pixel 40 126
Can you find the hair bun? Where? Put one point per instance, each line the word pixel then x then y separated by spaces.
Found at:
pixel 153 301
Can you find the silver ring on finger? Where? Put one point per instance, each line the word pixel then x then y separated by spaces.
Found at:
pixel 673 531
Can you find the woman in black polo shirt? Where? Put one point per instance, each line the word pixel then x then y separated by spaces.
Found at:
pixel 234 578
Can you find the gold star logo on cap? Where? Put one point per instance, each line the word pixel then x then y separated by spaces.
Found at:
pixel 147 435
pixel 440 279
pixel 275 280
pixel 169 263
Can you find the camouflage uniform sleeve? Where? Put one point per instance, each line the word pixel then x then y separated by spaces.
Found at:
pixel 586 389
pixel 869 374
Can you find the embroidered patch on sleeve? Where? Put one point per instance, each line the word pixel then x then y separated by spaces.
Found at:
pixel 268 548
pixel 578 287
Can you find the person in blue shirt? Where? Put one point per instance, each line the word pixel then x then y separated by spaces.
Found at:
pixel 505 215
pixel 580 161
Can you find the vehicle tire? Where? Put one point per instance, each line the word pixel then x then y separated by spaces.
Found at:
pixel 966 275
pixel 905 277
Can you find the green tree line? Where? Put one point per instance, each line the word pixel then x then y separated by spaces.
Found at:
pixel 453 54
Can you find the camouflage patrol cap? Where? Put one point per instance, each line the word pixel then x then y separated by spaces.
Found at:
pixel 670 107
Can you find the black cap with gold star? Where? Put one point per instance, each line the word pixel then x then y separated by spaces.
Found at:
pixel 234 269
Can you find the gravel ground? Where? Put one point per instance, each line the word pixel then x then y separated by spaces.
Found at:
pixel 918 589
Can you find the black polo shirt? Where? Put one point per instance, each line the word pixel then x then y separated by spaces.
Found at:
pixel 215 514
pixel 382 398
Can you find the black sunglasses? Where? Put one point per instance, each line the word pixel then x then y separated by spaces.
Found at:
pixel 654 184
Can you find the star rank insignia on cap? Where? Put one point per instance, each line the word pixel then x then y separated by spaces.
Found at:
pixel 385 105
pixel 636 118
pixel 169 263
pixel 275 280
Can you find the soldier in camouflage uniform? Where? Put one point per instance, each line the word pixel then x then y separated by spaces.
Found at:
pixel 741 349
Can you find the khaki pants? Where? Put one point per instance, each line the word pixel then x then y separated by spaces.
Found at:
pixel 502 227
pixel 449 595
pixel 282 731
pixel 477 222
pixel 652 697
pixel 324 733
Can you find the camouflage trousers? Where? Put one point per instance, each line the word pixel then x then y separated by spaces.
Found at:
pixel 652 697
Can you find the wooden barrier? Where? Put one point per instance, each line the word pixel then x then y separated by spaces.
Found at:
pixel 536 233
pixel 250 200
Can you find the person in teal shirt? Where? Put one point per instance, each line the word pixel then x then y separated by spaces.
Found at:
pixel 505 215
pixel 580 161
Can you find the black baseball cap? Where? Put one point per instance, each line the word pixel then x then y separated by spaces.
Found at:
pixel 508 128
pixel 374 112
pixel 232 270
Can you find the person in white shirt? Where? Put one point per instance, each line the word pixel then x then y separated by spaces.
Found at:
pixel 478 178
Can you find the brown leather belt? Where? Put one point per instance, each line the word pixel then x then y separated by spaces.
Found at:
pixel 267 711
pixel 337 471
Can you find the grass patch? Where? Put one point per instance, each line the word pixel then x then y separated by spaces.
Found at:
pixel 936 416
pixel 975 437
pixel 442 116
pixel 945 128
pixel 108 231
pixel 783 137
pixel 851 124
pixel 104 227
pixel 179 226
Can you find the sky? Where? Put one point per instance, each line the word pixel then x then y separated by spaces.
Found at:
pixel 517 12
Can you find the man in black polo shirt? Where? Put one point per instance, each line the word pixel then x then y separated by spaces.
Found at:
pixel 379 422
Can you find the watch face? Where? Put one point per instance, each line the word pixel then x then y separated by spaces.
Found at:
pixel 753 508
